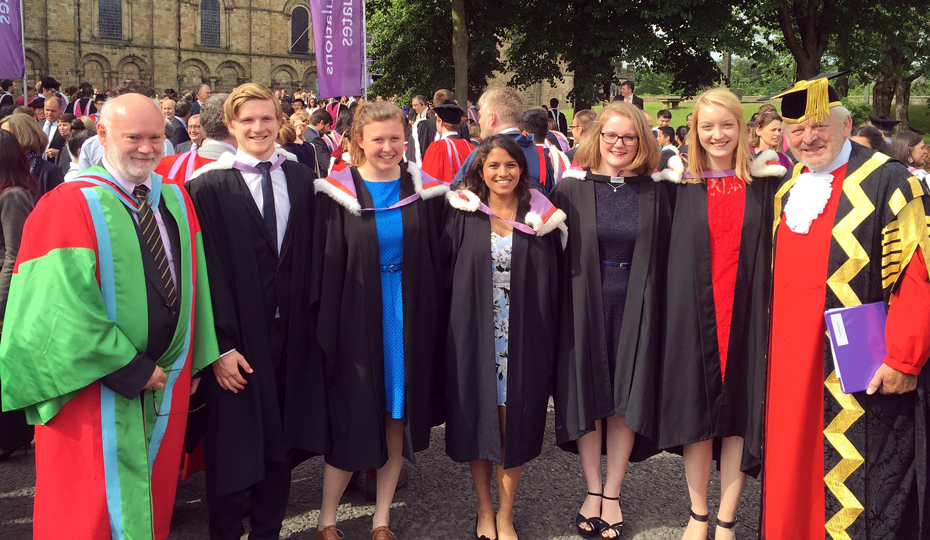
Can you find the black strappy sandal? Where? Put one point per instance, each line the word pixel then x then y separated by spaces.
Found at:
pixel 596 523
pixel 698 517
pixel 729 525
pixel 616 528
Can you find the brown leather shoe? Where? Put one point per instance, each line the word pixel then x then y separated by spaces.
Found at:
pixel 329 533
pixel 382 533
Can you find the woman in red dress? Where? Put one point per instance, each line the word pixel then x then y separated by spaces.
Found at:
pixel 713 367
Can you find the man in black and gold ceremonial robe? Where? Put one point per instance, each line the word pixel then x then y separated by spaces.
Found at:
pixel 850 229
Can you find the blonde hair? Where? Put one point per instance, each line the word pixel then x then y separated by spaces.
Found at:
pixel 300 115
pixel 89 123
pixel 647 154
pixel 375 111
pixel 27 132
pixel 505 102
pixel 720 98
pixel 246 92
pixel 287 135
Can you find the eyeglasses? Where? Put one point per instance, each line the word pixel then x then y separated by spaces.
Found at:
pixel 573 126
pixel 155 402
pixel 612 138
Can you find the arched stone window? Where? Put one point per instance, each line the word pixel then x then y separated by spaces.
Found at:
pixel 210 23
pixel 110 19
pixel 300 31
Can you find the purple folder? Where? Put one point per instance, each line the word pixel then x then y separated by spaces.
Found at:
pixel 857 340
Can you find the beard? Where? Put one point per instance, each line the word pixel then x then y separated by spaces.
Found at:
pixel 132 170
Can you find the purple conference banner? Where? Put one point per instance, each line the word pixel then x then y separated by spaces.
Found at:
pixel 338 39
pixel 12 64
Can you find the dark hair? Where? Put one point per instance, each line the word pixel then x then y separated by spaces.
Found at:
pixel 7 110
pixel 321 115
pixel 287 109
pixel 86 90
pixel 668 131
pixel 664 113
pixel 5 84
pixel 474 182
pixel 630 84
pixel 14 166
pixel 536 123
pixel 873 135
pixel 76 140
pixel 681 133
pixel 903 145
pixel 553 103
pixel 344 121
pixel 77 124
pixel 182 108
pixel 66 118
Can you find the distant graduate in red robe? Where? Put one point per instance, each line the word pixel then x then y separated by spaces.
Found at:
pixel 445 158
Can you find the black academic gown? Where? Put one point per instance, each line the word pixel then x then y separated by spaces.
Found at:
pixel 695 405
pixel 585 389
pixel 346 297
pixel 473 424
pixel 248 283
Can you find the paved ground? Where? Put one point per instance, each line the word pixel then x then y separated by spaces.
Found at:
pixel 439 502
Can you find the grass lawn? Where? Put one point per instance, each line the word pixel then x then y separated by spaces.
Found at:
pixel 919 115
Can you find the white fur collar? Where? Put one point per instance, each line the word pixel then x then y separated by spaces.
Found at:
pixel 462 199
pixel 672 171
pixel 766 164
pixel 574 173
pixel 226 161
pixel 806 200
pixel 434 188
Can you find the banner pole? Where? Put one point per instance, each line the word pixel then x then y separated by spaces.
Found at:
pixel 22 35
pixel 365 53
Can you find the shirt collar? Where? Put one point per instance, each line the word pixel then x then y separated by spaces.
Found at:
pixel 214 142
pixel 249 159
pixel 840 160
pixel 508 131
pixel 449 134
pixel 126 185
pixel 183 123
pixel 314 129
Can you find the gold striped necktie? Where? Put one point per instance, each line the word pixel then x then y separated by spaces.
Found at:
pixel 153 243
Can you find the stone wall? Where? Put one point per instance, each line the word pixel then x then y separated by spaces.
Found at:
pixel 64 39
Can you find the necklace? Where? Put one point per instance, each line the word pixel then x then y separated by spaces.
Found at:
pixel 614 182
pixel 500 226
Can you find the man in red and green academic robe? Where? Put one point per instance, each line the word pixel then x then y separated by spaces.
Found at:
pixel 109 314
pixel 850 229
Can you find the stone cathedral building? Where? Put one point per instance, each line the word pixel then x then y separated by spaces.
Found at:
pixel 171 43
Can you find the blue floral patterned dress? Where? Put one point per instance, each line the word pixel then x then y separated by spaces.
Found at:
pixel 391 252
pixel 501 253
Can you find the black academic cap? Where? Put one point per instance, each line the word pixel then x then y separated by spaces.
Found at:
pixel 883 122
pixel 449 113
pixel 49 82
pixel 810 99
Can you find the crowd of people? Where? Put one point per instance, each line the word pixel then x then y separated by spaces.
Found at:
pixel 238 282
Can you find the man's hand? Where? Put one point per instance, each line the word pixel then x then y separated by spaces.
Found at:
pixel 888 380
pixel 51 153
pixel 194 384
pixel 226 371
pixel 157 380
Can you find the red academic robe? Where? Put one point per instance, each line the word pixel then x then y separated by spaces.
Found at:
pixel 445 158
pixel 177 169
pixel 794 488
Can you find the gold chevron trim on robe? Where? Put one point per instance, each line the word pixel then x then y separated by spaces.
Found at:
pixel 852 460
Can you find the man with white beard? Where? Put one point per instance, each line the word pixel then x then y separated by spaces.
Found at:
pixel 101 338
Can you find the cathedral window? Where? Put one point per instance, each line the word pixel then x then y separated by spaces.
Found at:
pixel 210 23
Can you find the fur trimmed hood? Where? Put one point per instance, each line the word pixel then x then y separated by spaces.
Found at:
pixel 766 165
pixel 542 218
pixel 340 187
pixel 574 173
pixel 226 161
pixel 672 172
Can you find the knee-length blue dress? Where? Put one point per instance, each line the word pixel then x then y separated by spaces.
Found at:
pixel 391 251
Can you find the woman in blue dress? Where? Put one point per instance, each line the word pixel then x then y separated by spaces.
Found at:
pixel 378 309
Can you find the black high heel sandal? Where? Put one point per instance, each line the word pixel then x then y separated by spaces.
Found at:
pixel 698 517
pixel 729 525
pixel 5 456
pixel 616 528
pixel 596 523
